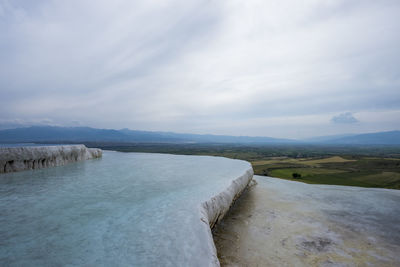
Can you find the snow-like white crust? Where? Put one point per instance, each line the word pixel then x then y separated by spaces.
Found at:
pixel 214 209
pixel 14 159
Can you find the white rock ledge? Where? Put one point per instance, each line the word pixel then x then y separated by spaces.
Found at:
pixel 213 210
pixel 14 159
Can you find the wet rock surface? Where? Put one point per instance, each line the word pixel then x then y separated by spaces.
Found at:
pixel 285 223
pixel 316 244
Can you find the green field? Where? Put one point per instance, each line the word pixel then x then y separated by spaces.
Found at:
pixel 359 171
pixel 366 166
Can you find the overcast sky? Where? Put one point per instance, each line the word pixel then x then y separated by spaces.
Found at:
pixel 275 68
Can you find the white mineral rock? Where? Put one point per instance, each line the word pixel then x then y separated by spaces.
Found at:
pixel 214 209
pixel 14 159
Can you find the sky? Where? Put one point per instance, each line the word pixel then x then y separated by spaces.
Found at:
pixel 279 68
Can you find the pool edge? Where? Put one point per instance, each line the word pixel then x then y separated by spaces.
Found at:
pixel 214 209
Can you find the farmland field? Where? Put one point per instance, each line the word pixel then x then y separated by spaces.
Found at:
pixel 351 171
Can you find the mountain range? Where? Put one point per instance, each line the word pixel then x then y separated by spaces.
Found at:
pixel 87 134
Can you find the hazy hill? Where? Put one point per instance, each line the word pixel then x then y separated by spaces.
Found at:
pixel 380 138
pixel 86 134
pixel 81 134
pixel 325 138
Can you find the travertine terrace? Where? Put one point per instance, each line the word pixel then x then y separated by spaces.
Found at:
pixel 14 159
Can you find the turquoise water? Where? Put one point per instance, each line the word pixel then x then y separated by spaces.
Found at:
pixel 125 209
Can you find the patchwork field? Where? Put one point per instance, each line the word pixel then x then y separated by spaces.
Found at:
pixel 351 171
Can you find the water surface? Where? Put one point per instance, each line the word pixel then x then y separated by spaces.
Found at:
pixel 125 209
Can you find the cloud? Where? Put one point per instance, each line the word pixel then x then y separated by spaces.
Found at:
pixel 200 66
pixel 346 117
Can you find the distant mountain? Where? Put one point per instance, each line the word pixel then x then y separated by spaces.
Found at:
pixel 208 138
pixel 327 138
pixel 49 133
pixel 86 134
pixel 380 138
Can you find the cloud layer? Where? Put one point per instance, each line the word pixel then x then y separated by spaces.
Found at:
pixel 271 68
